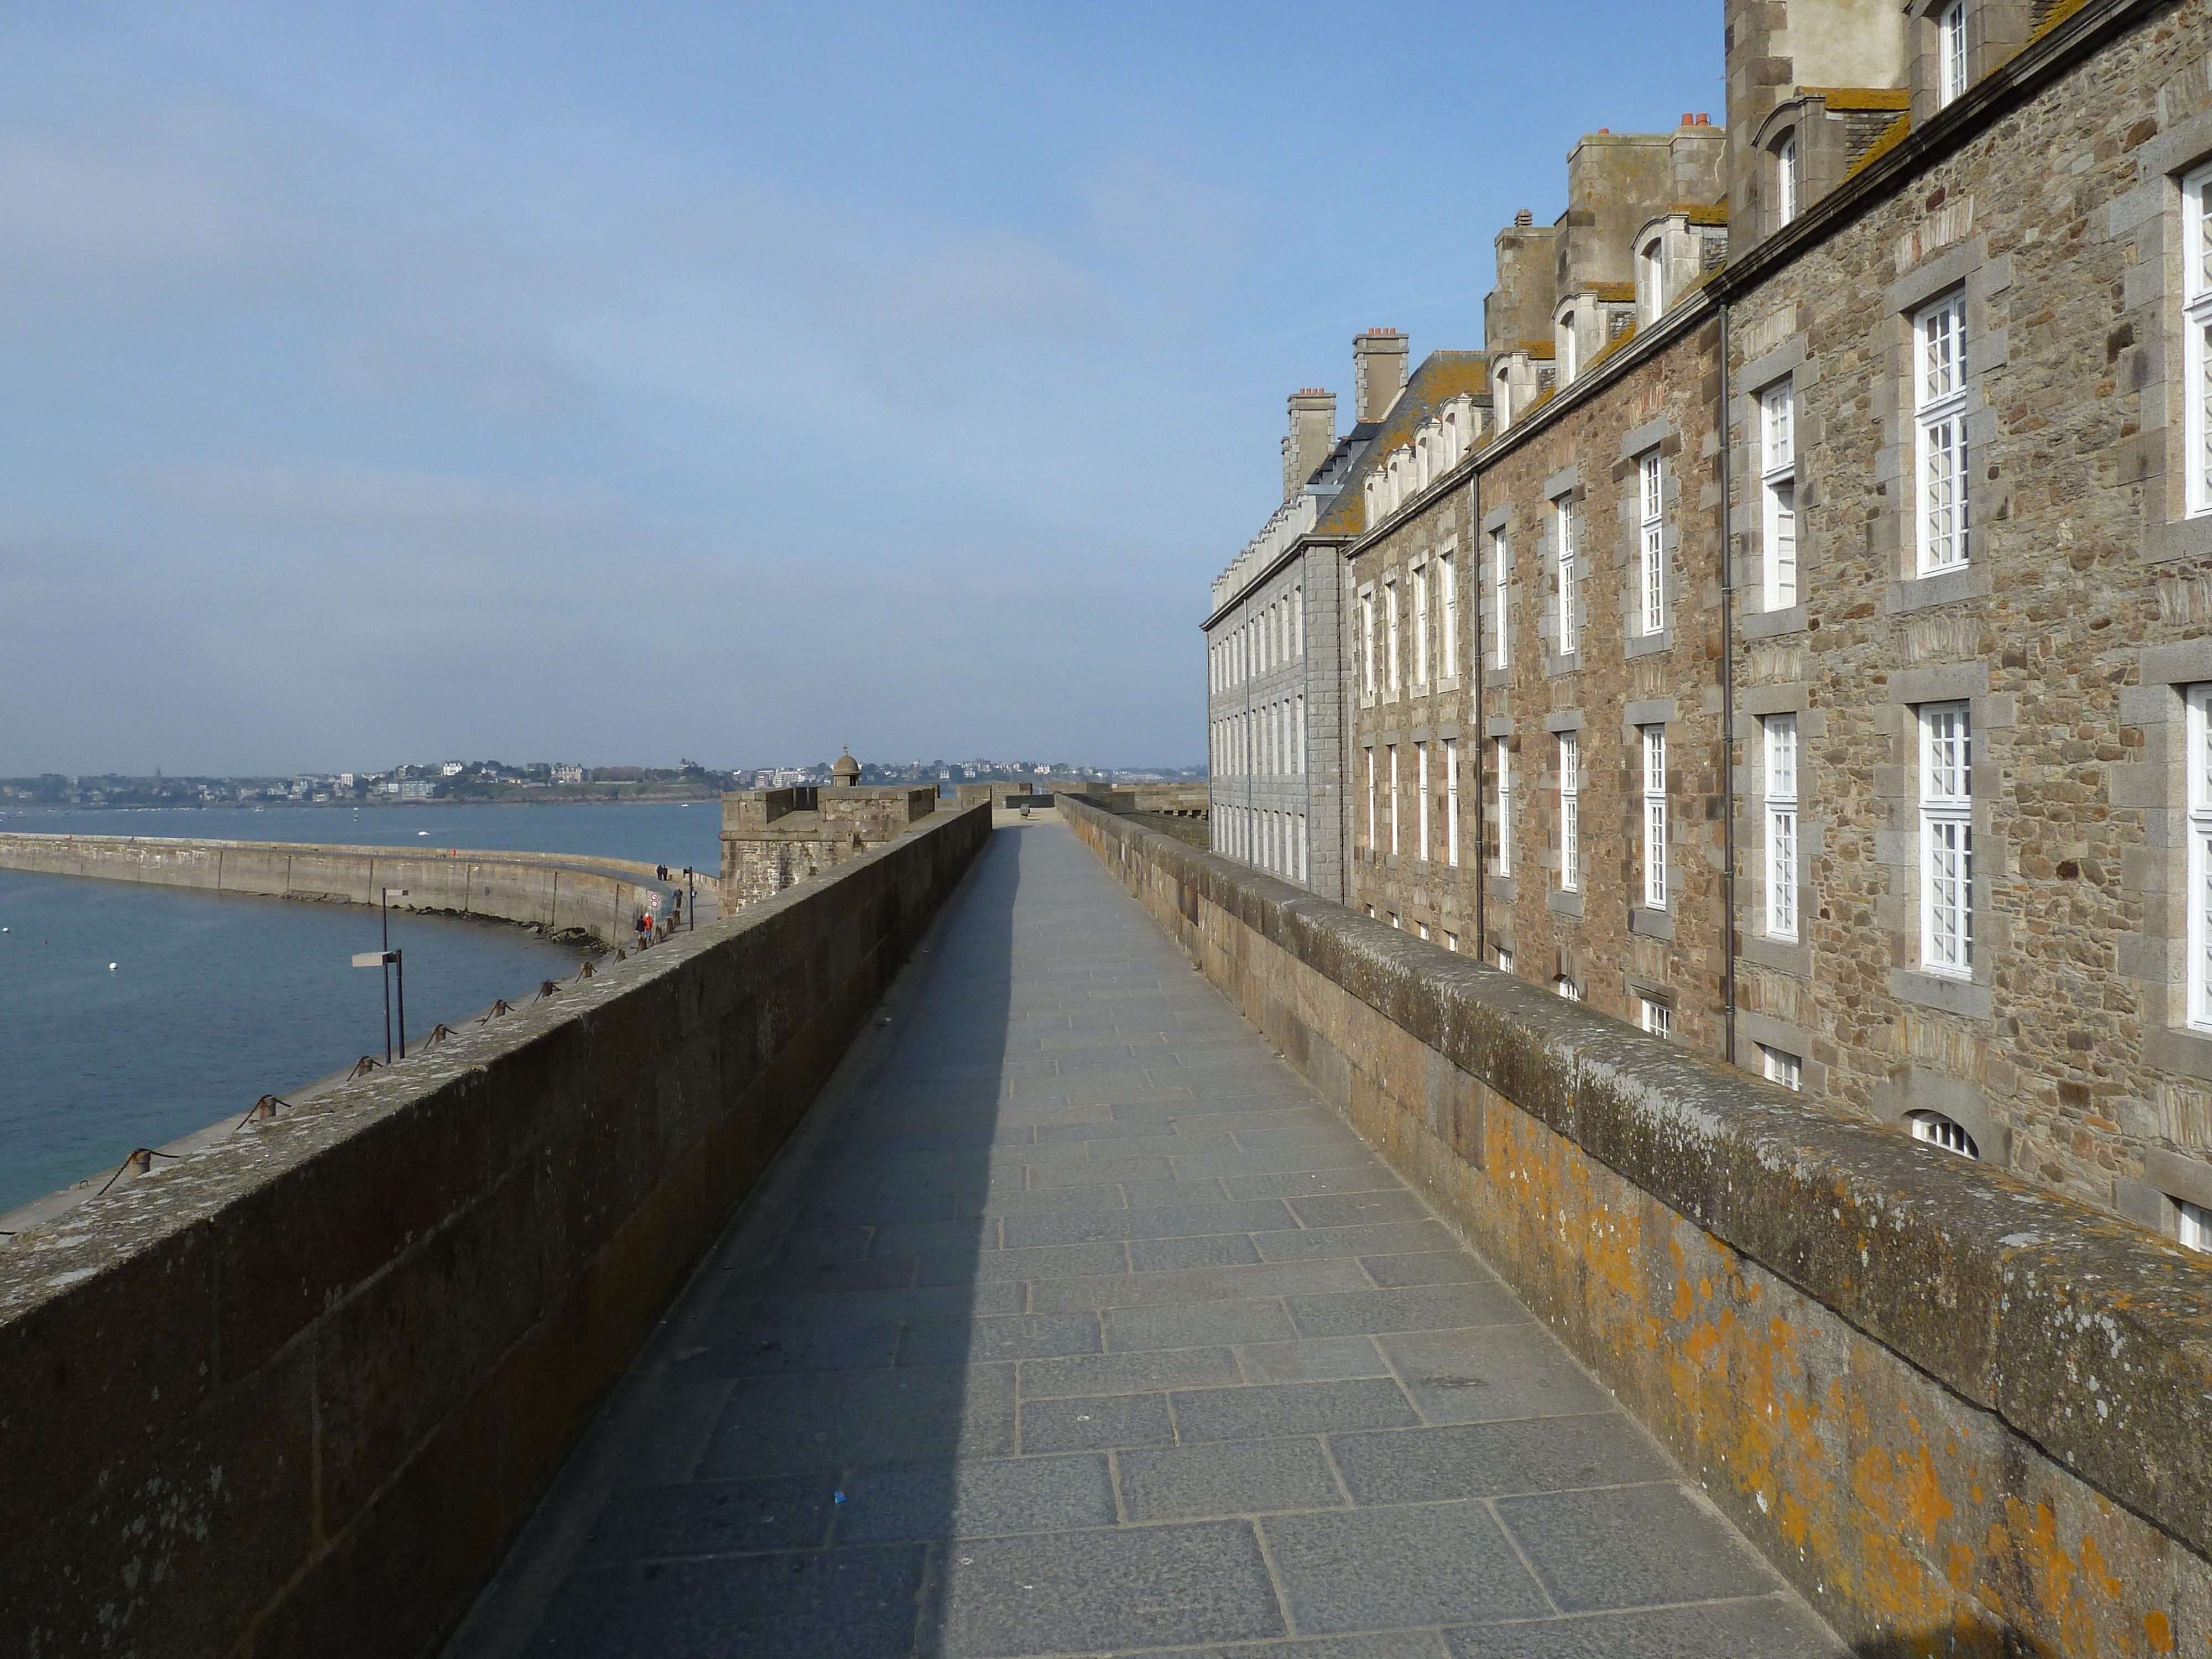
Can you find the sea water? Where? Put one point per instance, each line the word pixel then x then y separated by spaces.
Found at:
pixel 214 1001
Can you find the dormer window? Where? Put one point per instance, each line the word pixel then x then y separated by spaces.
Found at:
pixel 1951 52
pixel 1785 179
pixel 1567 355
pixel 1649 280
pixel 1501 400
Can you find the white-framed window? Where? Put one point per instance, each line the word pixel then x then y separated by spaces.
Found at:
pixel 1570 600
pixel 2198 723
pixel 2192 1226
pixel 1781 774
pixel 1421 800
pixel 1655 816
pixel 1451 800
pixel 1571 813
pixel 1298 619
pixel 1367 643
pixel 1656 1016
pixel 1785 179
pixel 1569 367
pixel 1950 51
pixel 1390 681
pixel 2196 334
pixel 1504 809
pixel 1782 1068
pixel 1939 404
pixel 1305 856
pixel 1947 840
pixel 1394 920
pixel 1448 602
pixel 1422 927
pixel 1939 1131
pixel 1298 754
pixel 1393 749
pixel 1567 988
pixel 1651 273
pixel 1652 559
pixel 1369 754
pixel 1505 960
pixel 1501 400
pixel 1501 550
pixel 1778 470
pixel 1451 940
pixel 1420 624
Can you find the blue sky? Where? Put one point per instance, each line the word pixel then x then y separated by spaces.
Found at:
pixel 619 383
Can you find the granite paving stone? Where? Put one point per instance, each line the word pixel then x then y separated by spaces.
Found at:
pixel 1091 1422
pixel 1075 1323
pixel 1228 1477
pixel 1630 1546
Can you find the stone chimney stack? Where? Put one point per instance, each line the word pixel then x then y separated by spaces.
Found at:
pixel 1312 435
pixel 1378 361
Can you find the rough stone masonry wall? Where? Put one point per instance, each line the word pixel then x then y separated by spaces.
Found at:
pixel 290 1397
pixel 1964 1416
pixel 2080 614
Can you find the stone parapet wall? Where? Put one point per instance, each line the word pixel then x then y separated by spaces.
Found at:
pixel 597 897
pixel 1951 1408
pixel 292 1395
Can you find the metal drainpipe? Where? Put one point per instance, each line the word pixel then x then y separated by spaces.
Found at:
pixel 1472 566
pixel 1728 708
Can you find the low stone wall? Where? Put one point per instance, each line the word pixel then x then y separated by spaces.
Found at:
pixel 291 1396
pixel 1964 1416
pixel 580 896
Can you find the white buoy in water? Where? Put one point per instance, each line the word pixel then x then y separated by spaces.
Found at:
pixel 110 967
pixel 421 832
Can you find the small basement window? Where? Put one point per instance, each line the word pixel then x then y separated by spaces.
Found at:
pixel 1939 1131
pixel 2193 1225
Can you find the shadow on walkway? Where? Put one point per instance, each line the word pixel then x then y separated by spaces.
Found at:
pixel 1075 1323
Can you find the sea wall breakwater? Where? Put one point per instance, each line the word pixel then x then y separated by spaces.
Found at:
pixel 565 896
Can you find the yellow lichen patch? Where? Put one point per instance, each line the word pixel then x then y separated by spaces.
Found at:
pixel 1683 1307
pixel 2158 1631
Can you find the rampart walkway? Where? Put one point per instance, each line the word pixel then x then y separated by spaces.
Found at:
pixel 1076 1323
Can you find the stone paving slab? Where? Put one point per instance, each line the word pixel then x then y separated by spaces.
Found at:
pixel 1076 1324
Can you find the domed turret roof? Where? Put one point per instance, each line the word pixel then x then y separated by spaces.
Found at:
pixel 846 769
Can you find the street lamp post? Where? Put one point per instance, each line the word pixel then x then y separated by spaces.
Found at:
pixel 392 963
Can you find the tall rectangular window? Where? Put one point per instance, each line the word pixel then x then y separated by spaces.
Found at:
pixel 1939 404
pixel 2199 728
pixel 1777 468
pixel 1781 730
pixel 1299 751
pixel 1392 749
pixel 1651 561
pixel 1951 51
pixel 1502 556
pixel 1947 840
pixel 1654 817
pixel 1447 598
pixel 1420 624
pixel 1451 800
pixel 1304 873
pixel 1657 1017
pixel 1390 637
pixel 1367 644
pixel 1298 619
pixel 1785 179
pixel 2196 335
pixel 1569 576
pixel 1570 814
pixel 1504 809
pixel 1369 754
pixel 1421 800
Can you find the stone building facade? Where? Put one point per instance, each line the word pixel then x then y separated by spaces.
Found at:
pixel 773 838
pixel 1841 562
